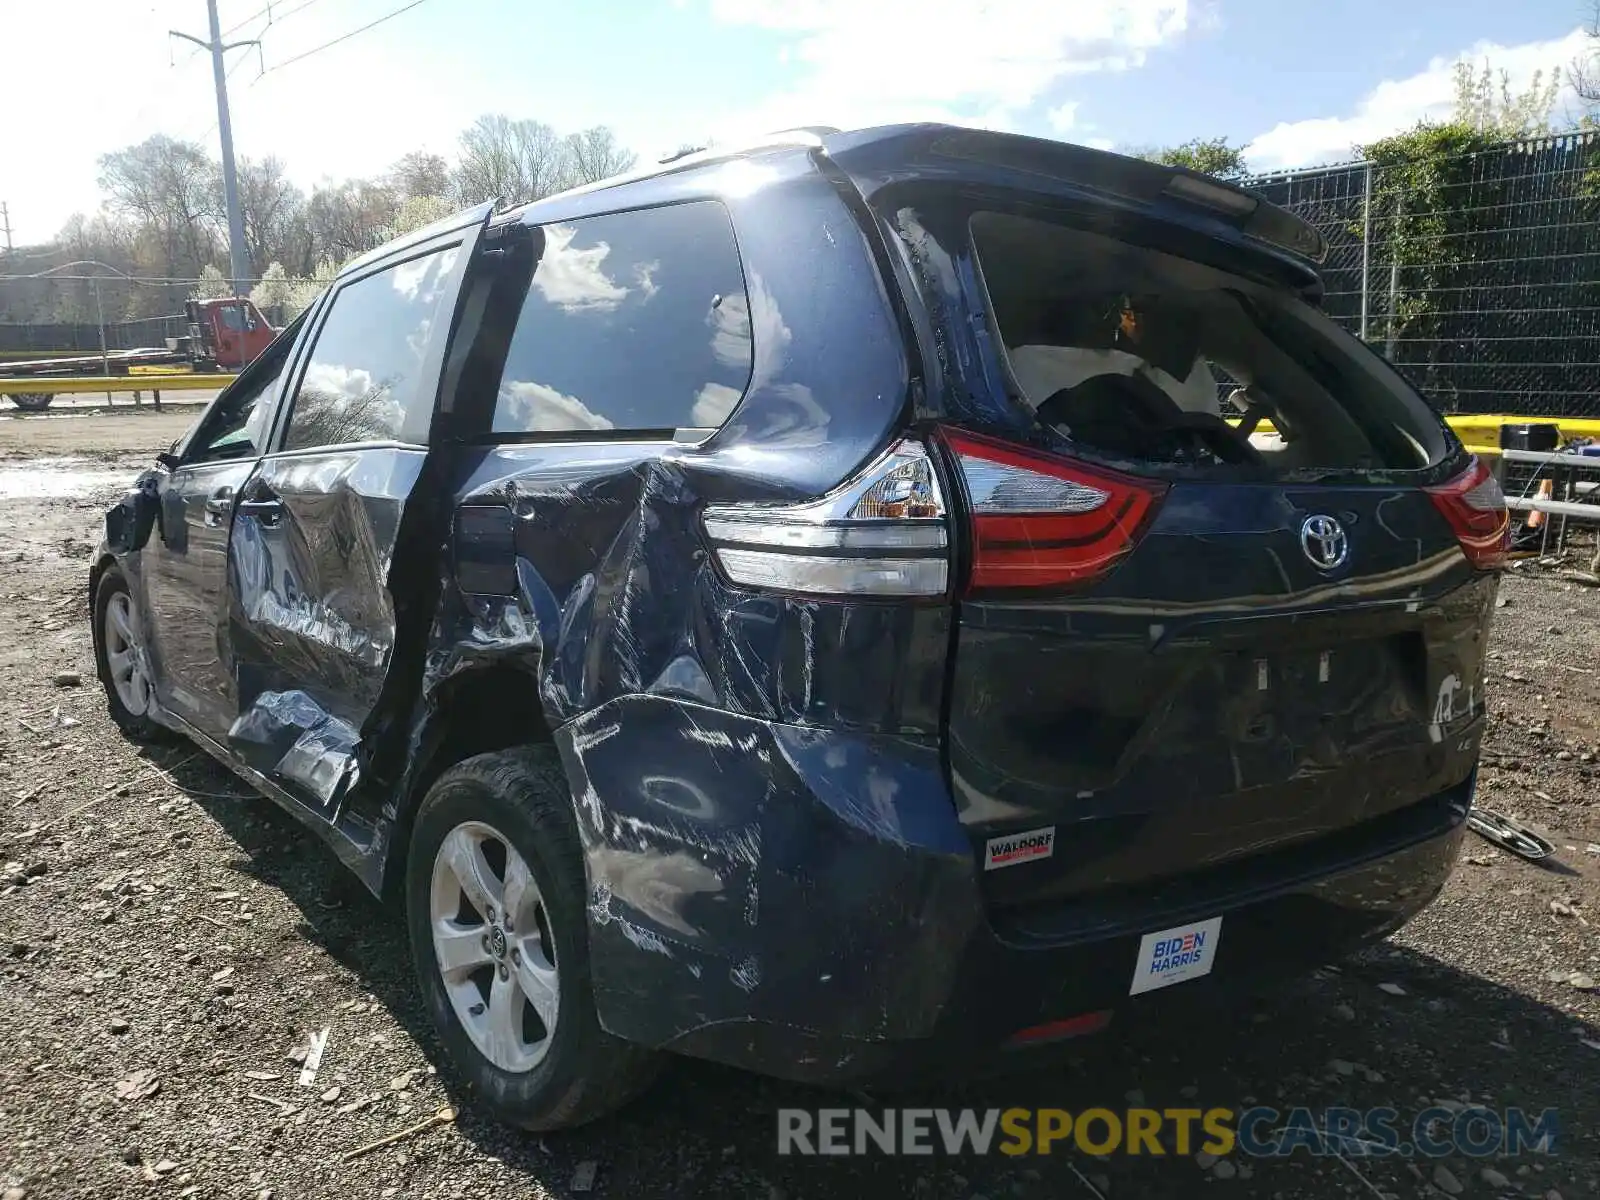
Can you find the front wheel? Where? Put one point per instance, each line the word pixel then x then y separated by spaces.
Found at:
pixel 495 908
pixel 120 658
pixel 32 401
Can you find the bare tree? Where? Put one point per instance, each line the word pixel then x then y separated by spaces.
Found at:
pixel 170 188
pixel 273 209
pixel 420 174
pixel 349 218
pixel 1584 73
pixel 595 154
pixel 513 161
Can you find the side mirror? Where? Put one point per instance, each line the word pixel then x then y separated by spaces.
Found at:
pixel 130 520
pixel 169 460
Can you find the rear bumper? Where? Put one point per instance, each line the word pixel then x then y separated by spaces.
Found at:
pixel 805 903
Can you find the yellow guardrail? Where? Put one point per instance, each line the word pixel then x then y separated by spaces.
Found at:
pixel 169 382
pixel 1483 429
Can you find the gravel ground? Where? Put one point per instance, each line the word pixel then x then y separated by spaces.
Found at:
pixel 168 944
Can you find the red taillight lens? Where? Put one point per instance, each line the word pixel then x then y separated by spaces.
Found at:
pixel 1476 508
pixel 1040 520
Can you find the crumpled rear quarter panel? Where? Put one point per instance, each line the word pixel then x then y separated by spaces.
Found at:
pixel 723 748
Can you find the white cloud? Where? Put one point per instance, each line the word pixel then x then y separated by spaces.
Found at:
pixel 576 279
pixel 1398 104
pixel 333 379
pixel 730 331
pixel 1098 143
pixel 952 60
pixel 527 406
pixel 1064 117
pixel 713 404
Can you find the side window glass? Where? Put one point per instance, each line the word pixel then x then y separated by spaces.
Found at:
pixel 361 381
pixel 235 427
pixel 238 429
pixel 634 321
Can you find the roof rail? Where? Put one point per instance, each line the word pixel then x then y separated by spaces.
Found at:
pixel 807 137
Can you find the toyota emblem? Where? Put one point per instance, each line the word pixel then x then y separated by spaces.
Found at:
pixel 1325 542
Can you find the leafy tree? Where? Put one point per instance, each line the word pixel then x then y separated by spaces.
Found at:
pixel 273 292
pixel 212 286
pixel 1210 156
pixel 419 211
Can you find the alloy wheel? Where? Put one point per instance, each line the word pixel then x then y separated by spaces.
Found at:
pixel 493 947
pixel 125 654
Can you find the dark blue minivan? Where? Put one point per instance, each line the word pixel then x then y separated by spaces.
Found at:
pixel 850 602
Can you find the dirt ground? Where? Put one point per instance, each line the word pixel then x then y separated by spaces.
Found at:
pixel 167 942
pixel 97 431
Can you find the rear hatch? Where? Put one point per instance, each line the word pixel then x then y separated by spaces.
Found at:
pixel 1225 579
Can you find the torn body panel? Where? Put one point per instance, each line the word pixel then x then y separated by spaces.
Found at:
pixel 774 875
pixel 615 594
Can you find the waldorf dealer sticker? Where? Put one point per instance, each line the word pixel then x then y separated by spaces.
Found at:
pixel 1019 847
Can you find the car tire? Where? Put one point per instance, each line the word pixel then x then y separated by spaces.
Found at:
pixel 483 811
pixel 129 715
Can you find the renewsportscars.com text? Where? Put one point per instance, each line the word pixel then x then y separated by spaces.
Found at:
pixel 1259 1131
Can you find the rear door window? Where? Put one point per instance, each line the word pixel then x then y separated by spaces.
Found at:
pixel 634 322
pixel 361 381
pixel 1146 356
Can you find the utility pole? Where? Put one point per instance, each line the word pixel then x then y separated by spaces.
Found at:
pixel 238 260
pixel 5 221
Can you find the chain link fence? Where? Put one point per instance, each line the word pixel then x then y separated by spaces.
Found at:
pixel 1482 284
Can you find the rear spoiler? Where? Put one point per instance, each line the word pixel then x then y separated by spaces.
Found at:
pixel 885 155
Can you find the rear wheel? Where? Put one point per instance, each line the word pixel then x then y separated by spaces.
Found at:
pixel 120 657
pixel 32 401
pixel 495 907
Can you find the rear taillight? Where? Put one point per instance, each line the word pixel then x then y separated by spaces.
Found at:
pixel 881 534
pixel 1040 520
pixel 1476 508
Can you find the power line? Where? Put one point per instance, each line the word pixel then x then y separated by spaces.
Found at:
pixel 345 37
pixel 260 12
pixel 272 17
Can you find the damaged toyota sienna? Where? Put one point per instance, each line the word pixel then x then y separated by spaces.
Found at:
pixel 845 603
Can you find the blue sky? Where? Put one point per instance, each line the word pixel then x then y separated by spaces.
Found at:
pixel 1298 82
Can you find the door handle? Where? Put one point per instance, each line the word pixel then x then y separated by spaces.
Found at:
pixel 218 505
pixel 269 510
